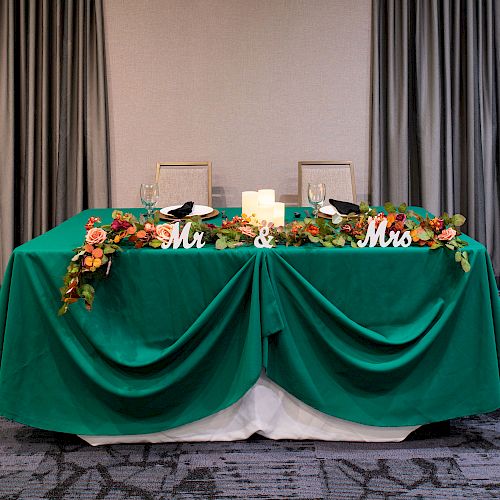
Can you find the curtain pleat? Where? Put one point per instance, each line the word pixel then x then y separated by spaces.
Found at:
pixel 435 107
pixel 7 125
pixel 54 147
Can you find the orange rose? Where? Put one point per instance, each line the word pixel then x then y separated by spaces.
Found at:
pixel 97 253
pixel 313 230
pixel 96 236
pixel 163 232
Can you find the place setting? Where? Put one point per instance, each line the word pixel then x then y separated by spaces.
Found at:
pixel 336 210
pixel 150 196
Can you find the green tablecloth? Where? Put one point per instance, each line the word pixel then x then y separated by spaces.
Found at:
pixel 381 336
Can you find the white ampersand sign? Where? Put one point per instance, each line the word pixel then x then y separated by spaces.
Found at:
pixel 263 240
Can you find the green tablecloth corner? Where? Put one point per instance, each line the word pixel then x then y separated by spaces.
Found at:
pixel 380 336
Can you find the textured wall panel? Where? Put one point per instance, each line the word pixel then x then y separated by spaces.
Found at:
pixel 252 85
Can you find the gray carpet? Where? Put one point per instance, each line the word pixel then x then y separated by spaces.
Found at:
pixel 456 460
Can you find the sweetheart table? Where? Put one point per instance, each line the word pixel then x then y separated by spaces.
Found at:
pixel 375 340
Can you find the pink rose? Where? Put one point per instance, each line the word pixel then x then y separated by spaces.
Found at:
pixel 95 236
pixel 247 231
pixel 163 232
pixel 447 234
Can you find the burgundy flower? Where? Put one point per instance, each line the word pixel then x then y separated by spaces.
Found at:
pixel 347 228
pixel 401 217
pixel 120 224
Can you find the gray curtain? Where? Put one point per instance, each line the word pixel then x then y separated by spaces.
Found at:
pixel 54 153
pixel 435 110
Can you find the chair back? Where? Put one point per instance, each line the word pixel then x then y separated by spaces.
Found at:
pixel 181 182
pixel 338 176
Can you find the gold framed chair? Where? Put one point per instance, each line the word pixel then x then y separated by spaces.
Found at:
pixel 179 182
pixel 338 177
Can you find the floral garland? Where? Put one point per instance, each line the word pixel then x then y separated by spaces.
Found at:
pixel 93 259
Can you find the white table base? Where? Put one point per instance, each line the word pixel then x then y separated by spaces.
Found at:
pixel 268 410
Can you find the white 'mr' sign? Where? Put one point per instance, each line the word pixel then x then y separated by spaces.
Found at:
pixel 176 239
pixel 377 236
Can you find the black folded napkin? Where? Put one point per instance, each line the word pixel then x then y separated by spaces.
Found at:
pixel 183 211
pixel 344 207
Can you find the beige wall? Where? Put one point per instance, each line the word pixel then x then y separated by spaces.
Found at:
pixel 252 85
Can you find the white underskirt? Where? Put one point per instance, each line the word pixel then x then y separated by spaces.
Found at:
pixel 268 410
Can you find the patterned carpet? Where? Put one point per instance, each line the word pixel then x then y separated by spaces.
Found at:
pixel 456 460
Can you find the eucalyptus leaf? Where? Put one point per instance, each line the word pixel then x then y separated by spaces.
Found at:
pixel 423 234
pixel 364 207
pixel 155 243
pixel 63 309
pixel 389 207
pixel 458 220
pixel 458 256
pixel 221 243
pixel 87 288
pixel 465 265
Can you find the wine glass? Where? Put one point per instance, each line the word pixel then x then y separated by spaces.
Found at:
pixel 150 195
pixel 316 194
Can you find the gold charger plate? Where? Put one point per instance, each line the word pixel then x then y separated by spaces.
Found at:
pixel 211 215
pixel 324 216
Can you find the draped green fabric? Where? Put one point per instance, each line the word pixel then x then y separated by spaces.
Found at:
pixel 381 336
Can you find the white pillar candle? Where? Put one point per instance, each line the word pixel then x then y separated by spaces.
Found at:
pixel 279 214
pixel 266 196
pixel 249 202
pixel 266 212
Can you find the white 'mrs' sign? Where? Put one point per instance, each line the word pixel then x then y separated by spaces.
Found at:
pixel 377 236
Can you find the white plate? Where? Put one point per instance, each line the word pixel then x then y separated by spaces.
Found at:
pixel 329 210
pixel 197 210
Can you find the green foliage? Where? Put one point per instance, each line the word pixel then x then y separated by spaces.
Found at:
pixel 221 243
pixel 86 265
pixel 458 220
pixel 364 207
pixel 389 207
pixel 155 243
